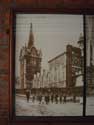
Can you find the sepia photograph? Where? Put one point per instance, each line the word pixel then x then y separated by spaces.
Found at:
pixel 90 64
pixel 49 65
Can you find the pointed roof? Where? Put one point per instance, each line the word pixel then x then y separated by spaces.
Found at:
pixel 31 38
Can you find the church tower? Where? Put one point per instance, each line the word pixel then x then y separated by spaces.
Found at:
pixel 30 62
pixel 31 38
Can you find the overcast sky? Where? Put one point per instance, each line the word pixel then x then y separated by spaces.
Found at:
pixel 51 34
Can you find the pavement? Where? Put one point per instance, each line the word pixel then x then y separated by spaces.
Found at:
pixel 24 108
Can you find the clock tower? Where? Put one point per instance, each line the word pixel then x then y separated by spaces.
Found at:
pixel 30 62
pixel 73 65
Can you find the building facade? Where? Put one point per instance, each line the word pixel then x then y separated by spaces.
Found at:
pixel 30 62
pixel 64 72
pixel 57 68
pixel 73 67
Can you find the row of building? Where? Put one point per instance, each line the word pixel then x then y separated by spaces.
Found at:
pixel 56 76
pixel 64 71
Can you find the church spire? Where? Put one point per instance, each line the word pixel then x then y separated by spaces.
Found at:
pixel 31 38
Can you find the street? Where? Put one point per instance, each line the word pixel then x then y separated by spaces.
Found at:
pixel 24 108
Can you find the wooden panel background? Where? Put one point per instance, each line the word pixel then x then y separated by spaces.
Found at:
pixel 6 8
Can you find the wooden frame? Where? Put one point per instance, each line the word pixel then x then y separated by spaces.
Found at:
pixel 83 118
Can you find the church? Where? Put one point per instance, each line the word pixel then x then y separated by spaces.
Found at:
pixel 30 62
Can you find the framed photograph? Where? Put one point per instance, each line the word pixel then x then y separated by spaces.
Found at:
pixel 49 65
pixel 46 62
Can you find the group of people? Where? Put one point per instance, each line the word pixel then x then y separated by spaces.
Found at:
pixel 46 98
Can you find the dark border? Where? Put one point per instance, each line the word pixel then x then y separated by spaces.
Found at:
pixel 58 119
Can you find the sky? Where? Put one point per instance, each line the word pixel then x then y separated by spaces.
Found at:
pixel 52 32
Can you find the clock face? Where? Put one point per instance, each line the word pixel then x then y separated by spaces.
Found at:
pixel 76 60
pixel 76 63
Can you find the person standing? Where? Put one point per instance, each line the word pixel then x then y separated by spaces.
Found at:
pixel 64 98
pixel 28 95
pixel 33 98
pixel 56 98
pixel 60 99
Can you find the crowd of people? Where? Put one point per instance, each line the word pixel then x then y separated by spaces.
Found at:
pixel 48 98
